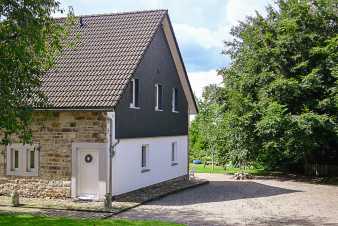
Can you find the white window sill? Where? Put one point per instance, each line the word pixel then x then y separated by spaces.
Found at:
pixel 145 170
pixel 174 163
pixel 14 173
pixel 22 174
pixel 133 107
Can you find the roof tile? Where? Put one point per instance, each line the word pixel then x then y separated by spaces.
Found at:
pixel 94 73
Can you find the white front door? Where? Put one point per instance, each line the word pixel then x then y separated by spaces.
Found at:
pixel 88 174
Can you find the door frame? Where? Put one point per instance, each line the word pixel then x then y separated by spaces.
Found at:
pixel 101 148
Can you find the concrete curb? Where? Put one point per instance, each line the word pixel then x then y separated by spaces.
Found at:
pixel 62 209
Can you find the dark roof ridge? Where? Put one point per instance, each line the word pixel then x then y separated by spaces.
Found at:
pixel 117 13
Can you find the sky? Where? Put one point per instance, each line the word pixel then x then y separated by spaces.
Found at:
pixel 200 26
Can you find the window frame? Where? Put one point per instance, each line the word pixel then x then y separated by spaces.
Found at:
pixel 29 162
pixel 135 102
pixel 157 97
pixel 174 101
pixel 12 159
pixel 173 153
pixel 24 160
pixel 145 167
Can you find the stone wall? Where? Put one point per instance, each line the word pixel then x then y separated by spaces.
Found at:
pixel 55 132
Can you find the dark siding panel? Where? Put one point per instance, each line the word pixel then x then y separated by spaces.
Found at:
pixel 157 66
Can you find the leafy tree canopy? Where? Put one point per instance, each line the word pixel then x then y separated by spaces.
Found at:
pixel 280 94
pixel 29 41
pixel 281 88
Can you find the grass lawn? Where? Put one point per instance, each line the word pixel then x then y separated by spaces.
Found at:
pixel 199 168
pixel 29 220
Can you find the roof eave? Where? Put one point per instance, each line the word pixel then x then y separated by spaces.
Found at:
pixel 104 109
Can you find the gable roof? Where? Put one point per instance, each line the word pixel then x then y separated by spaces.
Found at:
pixel 94 73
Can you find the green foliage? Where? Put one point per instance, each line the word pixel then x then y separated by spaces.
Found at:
pixel 279 101
pixel 196 140
pixel 200 168
pixel 205 130
pixel 29 42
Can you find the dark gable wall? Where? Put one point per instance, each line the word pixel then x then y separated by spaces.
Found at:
pixel 157 66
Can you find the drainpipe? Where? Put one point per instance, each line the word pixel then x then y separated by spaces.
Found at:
pixel 108 200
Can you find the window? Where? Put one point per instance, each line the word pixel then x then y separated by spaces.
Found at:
pixel 174 153
pixel 174 102
pixel 14 159
pixel 134 91
pixel 144 158
pixel 22 160
pixel 30 159
pixel 158 97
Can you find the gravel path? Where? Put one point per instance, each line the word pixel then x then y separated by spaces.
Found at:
pixel 254 202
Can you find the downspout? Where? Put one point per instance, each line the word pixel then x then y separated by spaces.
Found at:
pixel 108 203
pixel 188 151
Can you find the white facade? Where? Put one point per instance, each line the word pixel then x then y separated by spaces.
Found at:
pixel 90 179
pixel 127 171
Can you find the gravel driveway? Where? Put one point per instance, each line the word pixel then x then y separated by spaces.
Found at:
pixel 253 202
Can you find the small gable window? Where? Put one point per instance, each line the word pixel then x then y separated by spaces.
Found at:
pixel 174 102
pixel 134 91
pixel 158 97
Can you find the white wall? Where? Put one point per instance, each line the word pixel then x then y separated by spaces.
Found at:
pixel 126 172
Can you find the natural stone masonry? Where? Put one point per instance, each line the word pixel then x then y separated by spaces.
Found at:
pixel 31 187
pixel 54 132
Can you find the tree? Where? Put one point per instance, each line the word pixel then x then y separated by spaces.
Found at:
pixel 196 140
pixel 281 89
pixel 205 130
pixel 29 41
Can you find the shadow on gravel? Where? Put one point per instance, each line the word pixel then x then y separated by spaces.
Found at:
pixel 300 178
pixel 219 191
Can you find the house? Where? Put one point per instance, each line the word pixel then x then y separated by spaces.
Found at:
pixel 120 103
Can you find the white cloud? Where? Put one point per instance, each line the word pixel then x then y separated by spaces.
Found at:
pixel 202 36
pixel 199 80
pixel 238 10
